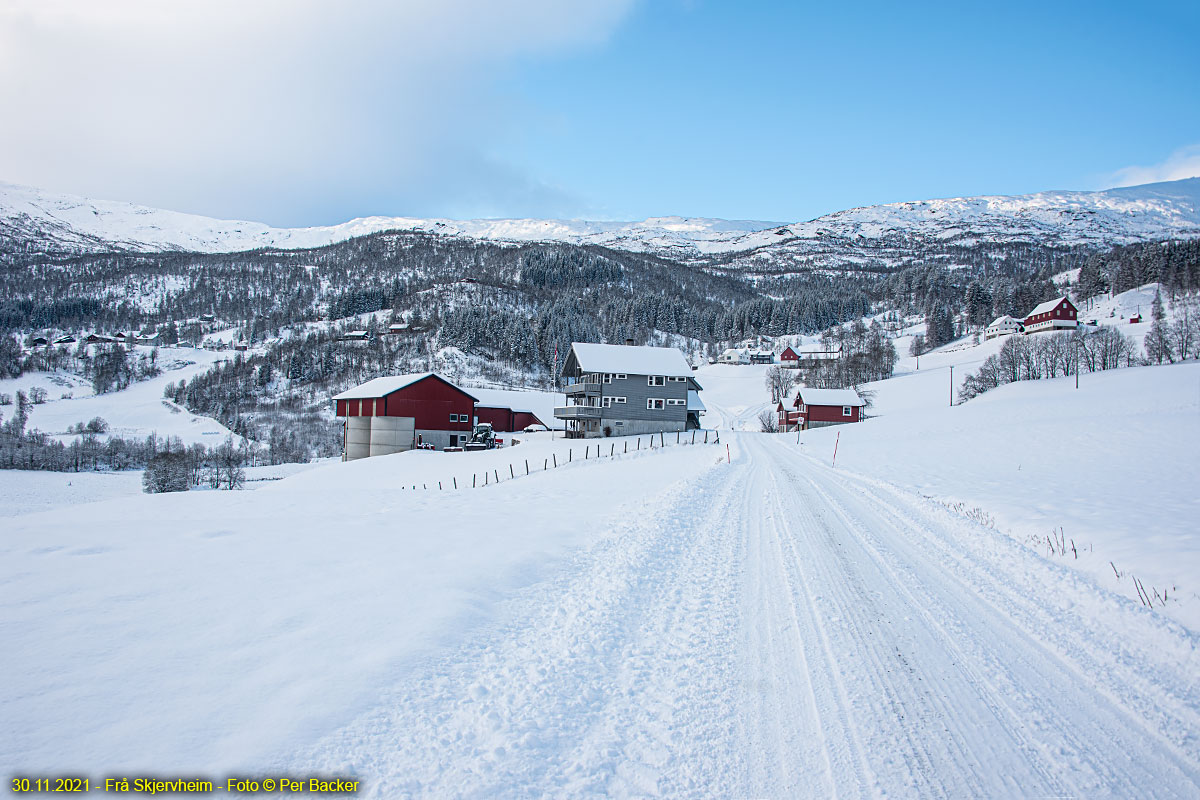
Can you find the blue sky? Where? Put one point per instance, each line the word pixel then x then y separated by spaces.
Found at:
pixel 311 112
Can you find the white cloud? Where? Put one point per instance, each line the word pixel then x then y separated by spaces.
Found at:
pixel 281 110
pixel 1183 163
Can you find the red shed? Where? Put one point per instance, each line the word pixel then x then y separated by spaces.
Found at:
pixel 817 408
pixel 440 413
pixel 523 419
pixel 501 417
pixel 1052 315
pixel 789 356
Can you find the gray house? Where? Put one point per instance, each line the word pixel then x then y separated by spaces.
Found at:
pixel 621 390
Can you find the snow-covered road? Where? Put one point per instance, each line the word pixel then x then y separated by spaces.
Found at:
pixel 778 628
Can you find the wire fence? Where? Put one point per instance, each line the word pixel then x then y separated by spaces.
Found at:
pixel 590 452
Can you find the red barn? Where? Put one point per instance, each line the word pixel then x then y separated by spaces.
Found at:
pixel 1052 315
pixel 817 408
pixel 396 413
pixel 789 357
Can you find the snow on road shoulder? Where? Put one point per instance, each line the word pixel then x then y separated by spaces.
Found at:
pixel 215 630
pixel 1111 464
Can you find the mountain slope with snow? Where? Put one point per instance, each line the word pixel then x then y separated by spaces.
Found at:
pixel 84 225
pixel 35 221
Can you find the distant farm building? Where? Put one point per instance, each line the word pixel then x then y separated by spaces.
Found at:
pixel 99 338
pixel 735 355
pixel 762 357
pixel 1052 315
pixel 812 359
pixel 1002 326
pixel 788 357
pixel 397 328
pixel 68 339
pixel 353 336
pixel 818 408
pixel 402 412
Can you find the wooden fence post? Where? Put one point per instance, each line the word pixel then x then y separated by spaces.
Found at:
pixel 455 483
pixel 527 466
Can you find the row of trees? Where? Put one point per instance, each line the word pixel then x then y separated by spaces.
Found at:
pixel 1175 340
pixel 1174 264
pixel 1030 358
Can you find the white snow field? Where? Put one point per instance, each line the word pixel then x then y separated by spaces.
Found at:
pixel 664 623
pixel 134 412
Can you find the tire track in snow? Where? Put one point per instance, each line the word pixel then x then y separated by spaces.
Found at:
pixel 618 679
pixel 1089 735
pixel 1052 728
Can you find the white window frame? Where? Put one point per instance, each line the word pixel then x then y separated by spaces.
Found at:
pixel 656 380
pixel 676 402
pixel 606 402
pixel 651 401
pixel 620 376
pixel 846 412
pixel 676 380
pixel 454 417
pixel 608 377
pixel 618 399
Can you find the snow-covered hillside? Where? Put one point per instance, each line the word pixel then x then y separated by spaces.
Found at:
pixel 1155 211
pixel 135 412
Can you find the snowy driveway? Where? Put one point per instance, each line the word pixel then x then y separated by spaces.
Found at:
pixel 779 629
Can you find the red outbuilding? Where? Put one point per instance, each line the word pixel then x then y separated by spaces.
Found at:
pixel 817 408
pixel 789 356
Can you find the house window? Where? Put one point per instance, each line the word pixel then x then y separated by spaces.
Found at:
pixel 608 377
pixel 846 411
pixel 618 399
pixel 620 376
pixel 677 380
pixel 454 417
pixel 655 404
pixel 676 402
pixel 656 380
pixel 608 401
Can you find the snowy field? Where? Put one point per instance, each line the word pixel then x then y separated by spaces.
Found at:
pixel 733 620
pixel 1111 464
pixel 132 413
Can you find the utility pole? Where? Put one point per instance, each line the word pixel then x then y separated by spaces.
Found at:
pixel 951 386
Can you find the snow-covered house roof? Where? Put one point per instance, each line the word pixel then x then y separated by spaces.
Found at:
pixel 694 401
pixel 829 397
pixel 629 359
pixel 1004 320
pixel 1048 306
pixel 380 387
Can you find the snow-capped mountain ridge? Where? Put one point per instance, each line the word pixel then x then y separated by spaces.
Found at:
pixel 58 223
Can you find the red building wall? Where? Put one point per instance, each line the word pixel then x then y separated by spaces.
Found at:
pixel 1058 313
pixel 789 355
pixel 429 401
pixel 501 418
pixel 523 419
pixel 829 414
